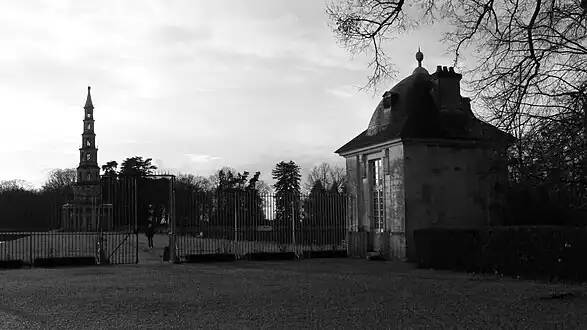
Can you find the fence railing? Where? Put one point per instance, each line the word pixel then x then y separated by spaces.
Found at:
pixel 32 246
pixel 245 222
pixel 54 224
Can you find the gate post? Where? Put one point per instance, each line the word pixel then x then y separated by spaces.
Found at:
pixel 136 219
pixel 172 225
pixel 235 239
pixel 293 227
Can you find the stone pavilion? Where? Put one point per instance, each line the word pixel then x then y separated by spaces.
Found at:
pixel 424 160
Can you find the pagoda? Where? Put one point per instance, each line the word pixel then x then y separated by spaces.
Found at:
pixel 86 212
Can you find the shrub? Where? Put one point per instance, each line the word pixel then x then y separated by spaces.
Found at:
pixel 447 248
pixel 534 252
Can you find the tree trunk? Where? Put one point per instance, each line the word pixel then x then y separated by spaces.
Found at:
pixel 584 169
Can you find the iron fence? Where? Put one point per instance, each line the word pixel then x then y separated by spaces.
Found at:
pixel 242 222
pixel 30 247
pixel 106 223
pixel 52 224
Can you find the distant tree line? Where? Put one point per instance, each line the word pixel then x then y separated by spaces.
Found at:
pixel 236 204
pixel 217 200
pixel 230 198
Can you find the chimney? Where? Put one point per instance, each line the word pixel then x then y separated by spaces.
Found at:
pixel 448 93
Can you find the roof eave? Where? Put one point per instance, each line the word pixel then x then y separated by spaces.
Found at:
pixel 351 152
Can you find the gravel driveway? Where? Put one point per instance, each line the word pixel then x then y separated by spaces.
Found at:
pixel 308 294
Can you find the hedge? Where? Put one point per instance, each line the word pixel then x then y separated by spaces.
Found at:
pixel 534 252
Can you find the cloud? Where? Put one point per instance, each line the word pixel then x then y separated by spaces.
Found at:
pixel 343 91
pixel 202 90
pixel 172 35
pixel 196 158
pixel 239 82
pixel 160 166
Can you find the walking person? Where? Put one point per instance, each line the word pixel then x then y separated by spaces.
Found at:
pixel 150 232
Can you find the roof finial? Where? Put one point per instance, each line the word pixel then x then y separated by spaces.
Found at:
pixel 419 57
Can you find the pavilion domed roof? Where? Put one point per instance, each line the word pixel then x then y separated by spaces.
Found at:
pixel 420 70
pixel 396 103
pixel 411 109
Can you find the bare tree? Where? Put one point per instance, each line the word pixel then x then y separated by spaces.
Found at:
pixel 264 188
pixel 517 42
pixel 328 176
pixel 196 182
pixel 60 178
pixel 530 59
pixel 531 54
pixel 215 178
pixel 529 72
pixel 15 185
pixel 364 26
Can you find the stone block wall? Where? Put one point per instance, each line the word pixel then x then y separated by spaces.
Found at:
pixel 449 184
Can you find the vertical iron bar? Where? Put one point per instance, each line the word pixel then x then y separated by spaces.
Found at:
pixel 321 239
pixel 173 218
pixel 293 222
pixel 171 221
pixel 335 220
pixel 235 219
pixel 31 238
pixel 135 227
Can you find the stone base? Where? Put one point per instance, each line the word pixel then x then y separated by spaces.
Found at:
pixel 385 245
pixel 86 217
pixel 377 256
pixel 87 190
pixel 397 246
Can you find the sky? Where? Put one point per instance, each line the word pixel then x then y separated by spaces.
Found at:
pixel 194 85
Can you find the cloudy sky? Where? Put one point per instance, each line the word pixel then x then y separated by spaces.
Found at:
pixel 195 85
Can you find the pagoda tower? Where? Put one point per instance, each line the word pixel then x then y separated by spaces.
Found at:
pixel 86 212
pixel 88 171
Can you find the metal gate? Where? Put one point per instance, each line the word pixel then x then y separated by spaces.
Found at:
pixel 157 200
pixel 118 221
pixel 141 200
pixel 106 224
pixel 242 223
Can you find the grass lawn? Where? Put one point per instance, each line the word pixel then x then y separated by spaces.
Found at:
pixel 310 294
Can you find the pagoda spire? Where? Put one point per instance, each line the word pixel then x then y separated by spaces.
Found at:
pixel 88 169
pixel 89 100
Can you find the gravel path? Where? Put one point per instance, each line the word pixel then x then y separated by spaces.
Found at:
pixel 309 294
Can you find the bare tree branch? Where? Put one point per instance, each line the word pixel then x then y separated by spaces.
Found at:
pixel 529 67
